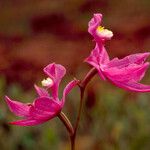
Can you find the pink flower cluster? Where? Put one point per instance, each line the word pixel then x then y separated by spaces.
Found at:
pixel 124 73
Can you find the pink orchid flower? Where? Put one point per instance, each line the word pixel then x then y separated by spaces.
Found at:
pixel 45 107
pixel 124 73
pixel 99 33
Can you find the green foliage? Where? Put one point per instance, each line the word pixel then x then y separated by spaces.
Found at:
pixel 118 120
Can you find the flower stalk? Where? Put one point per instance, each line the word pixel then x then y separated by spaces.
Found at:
pixel 82 85
pixel 66 122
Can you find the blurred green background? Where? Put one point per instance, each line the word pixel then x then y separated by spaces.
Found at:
pixel 34 33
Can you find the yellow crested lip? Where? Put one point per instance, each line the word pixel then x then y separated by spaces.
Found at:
pixel 100 28
pixel 104 33
pixel 47 82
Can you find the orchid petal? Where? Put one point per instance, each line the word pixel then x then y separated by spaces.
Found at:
pixel 27 122
pixel 132 86
pixel 41 91
pixel 132 72
pixel 46 104
pixel 134 58
pixel 18 108
pixel 98 58
pixel 94 23
pixel 139 74
pixel 41 115
pixel 56 73
pixel 68 88
pixel 98 55
pixel 44 108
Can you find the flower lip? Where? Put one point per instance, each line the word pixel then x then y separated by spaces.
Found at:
pixel 47 82
pixel 104 33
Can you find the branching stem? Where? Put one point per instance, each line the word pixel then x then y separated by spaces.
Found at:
pixel 73 131
pixel 82 86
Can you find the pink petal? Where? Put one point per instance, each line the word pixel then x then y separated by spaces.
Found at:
pixel 98 55
pixel 46 104
pixel 132 86
pixel 18 108
pixel 131 72
pixel 141 72
pixel 98 58
pixel 68 88
pixel 27 122
pixel 41 91
pixel 50 70
pixel 56 72
pixel 138 58
pixel 94 23
pixel 44 108
pixel 38 114
pixel 134 58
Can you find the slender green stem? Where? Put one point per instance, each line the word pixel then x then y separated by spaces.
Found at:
pixel 88 78
pixel 82 86
pixel 73 131
pixel 68 126
pixel 66 122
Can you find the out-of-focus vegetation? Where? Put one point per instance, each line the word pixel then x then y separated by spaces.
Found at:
pixel 34 33
pixel 112 119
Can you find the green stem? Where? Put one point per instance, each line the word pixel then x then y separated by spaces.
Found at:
pixel 68 126
pixel 73 131
pixel 82 86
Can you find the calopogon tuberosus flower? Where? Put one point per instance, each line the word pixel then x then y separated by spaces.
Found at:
pixel 46 106
pixel 124 73
pixel 99 33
